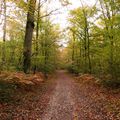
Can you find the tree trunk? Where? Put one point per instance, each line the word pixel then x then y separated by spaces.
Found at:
pixel 88 66
pixel 89 58
pixel 4 33
pixel 85 50
pixel 37 36
pixel 73 49
pixel 28 36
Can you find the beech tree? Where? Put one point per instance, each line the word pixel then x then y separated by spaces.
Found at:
pixel 80 23
pixel 28 35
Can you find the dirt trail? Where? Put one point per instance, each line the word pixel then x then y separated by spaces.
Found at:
pixel 71 102
pixel 61 105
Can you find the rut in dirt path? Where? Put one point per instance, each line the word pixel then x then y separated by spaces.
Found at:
pixel 70 102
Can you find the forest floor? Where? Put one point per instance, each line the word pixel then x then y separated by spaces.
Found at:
pixel 63 97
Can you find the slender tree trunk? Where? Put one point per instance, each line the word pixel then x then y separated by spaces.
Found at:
pixel 80 54
pixel 89 58
pixel 37 36
pixel 45 71
pixel 88 66
pixel 45 55
pixel 4 33
pixel 28 36
pixel 85 51
pixel 73 51
pixel 113 71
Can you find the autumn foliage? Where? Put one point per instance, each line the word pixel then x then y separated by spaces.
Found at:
pixel 21 78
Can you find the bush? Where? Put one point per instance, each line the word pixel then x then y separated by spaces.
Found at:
pixel 73 69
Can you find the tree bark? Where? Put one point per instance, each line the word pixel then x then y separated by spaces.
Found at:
pixel 28 36
pixel 4 32
pixel 37 35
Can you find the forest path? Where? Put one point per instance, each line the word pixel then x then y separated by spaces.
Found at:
pixel 70 102
pixel 61 105
pixel 62 98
